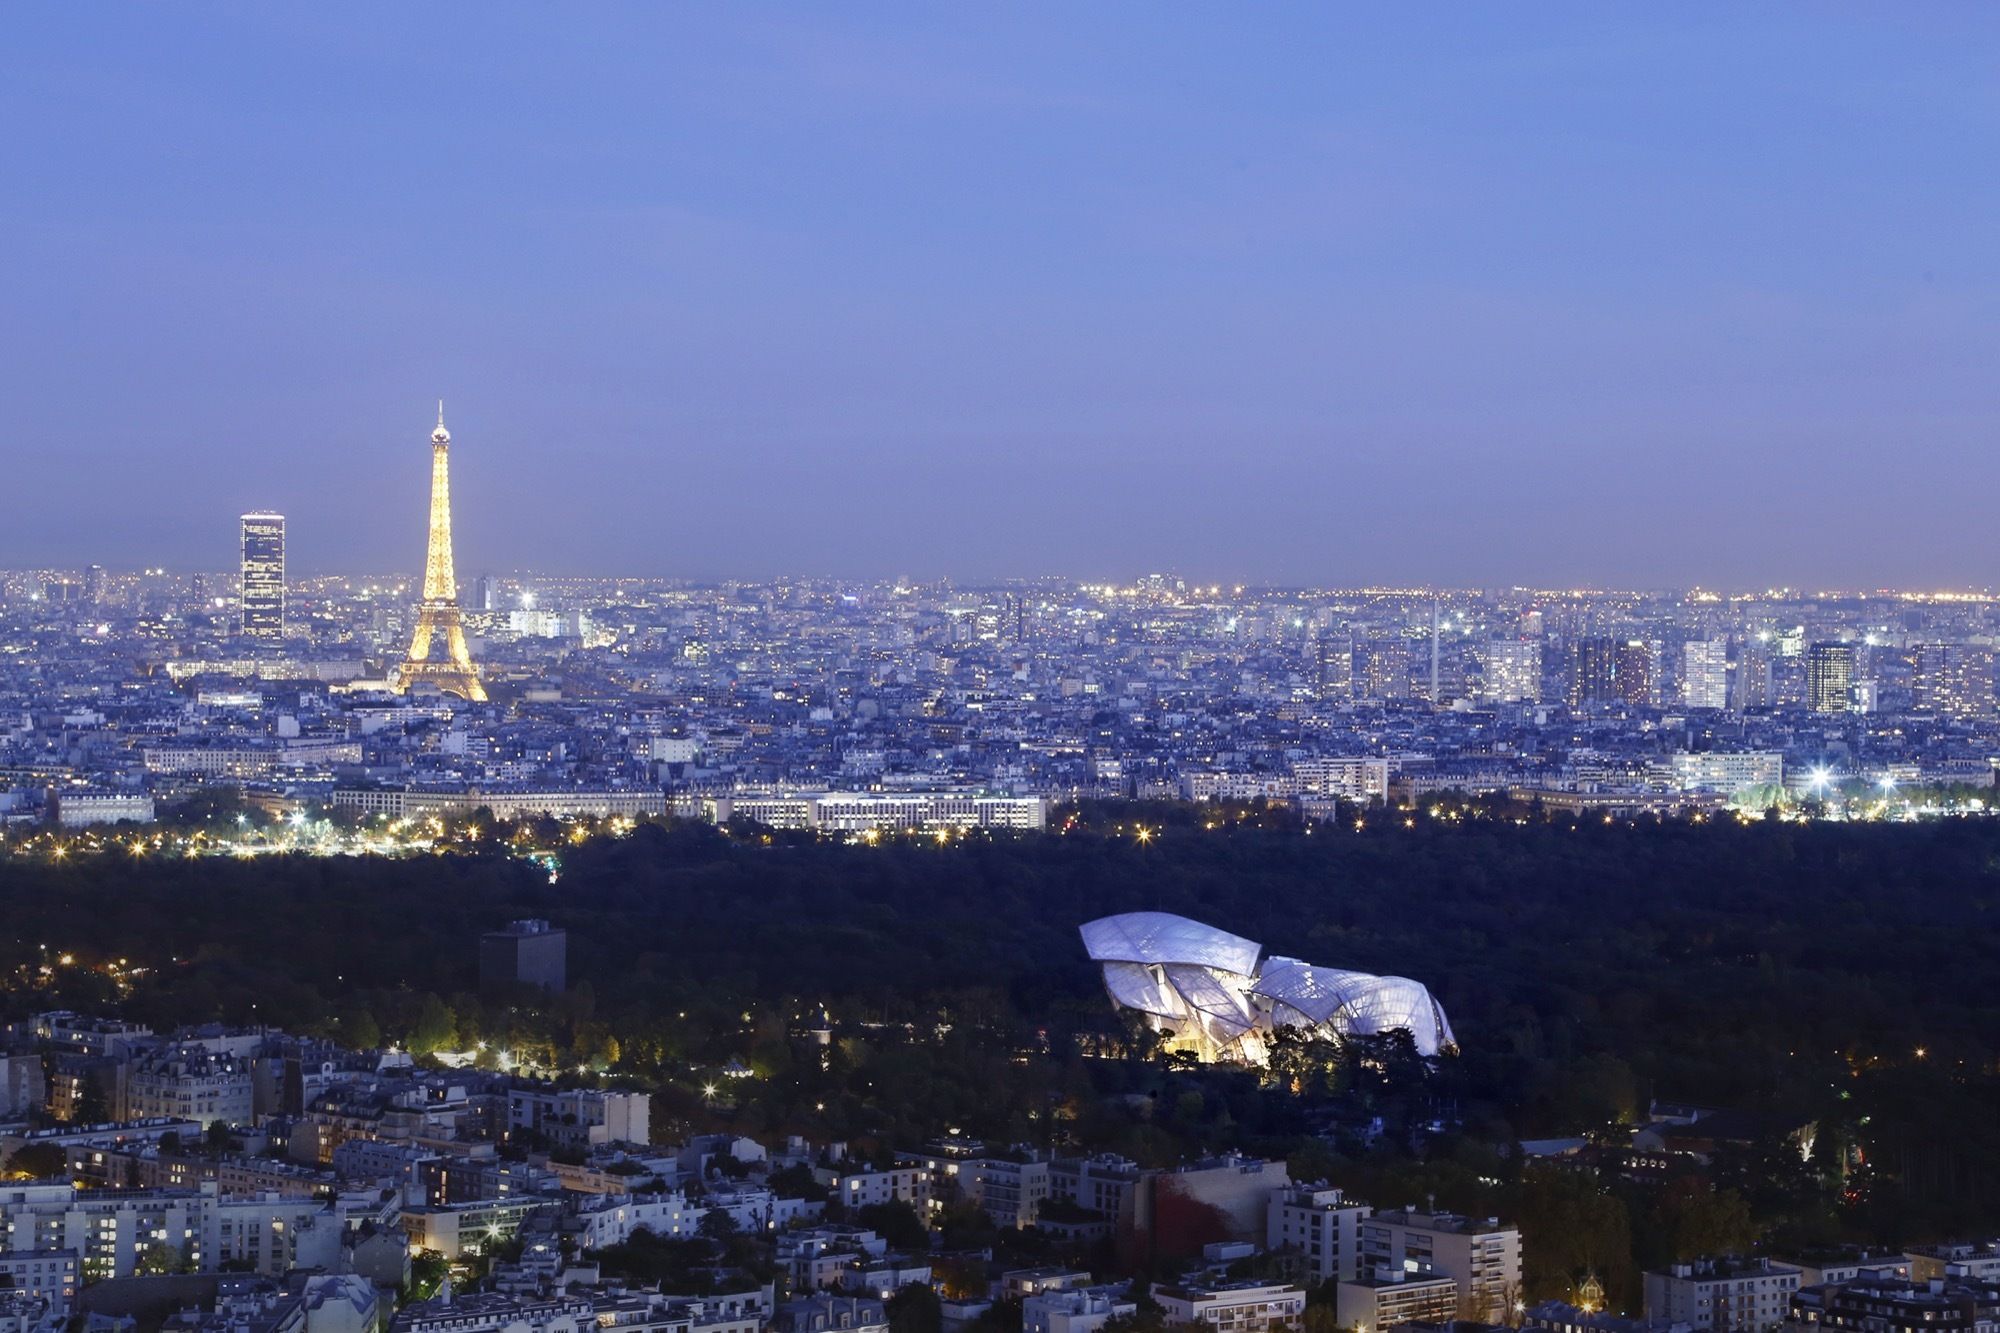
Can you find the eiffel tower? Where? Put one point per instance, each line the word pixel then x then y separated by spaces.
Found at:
pixel 437 614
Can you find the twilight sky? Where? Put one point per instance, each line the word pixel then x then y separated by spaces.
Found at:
pixel 1615 294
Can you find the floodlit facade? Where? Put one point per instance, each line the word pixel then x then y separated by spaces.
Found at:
pixel 1206 990
pixel 1351 1003
pixel 1189 979
pixel 263 586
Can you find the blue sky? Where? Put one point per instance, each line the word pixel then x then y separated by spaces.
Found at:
pixel 1646 295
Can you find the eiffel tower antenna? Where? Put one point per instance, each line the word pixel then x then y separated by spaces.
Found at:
pixel 437 614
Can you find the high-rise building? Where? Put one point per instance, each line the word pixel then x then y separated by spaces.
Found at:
pixel 1333 667
pixel 1705 673
pixel 93 584
pixel 1382 669
pixel 1482 1256
pixel 1633 673
pixel 1752 686
pixel 263 596
pixel 1513 672
pixel 482 594
pixel 1954 679
pixel 1593 671
pixel 1829 677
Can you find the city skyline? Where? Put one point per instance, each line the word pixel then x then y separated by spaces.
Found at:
pixel 1585 296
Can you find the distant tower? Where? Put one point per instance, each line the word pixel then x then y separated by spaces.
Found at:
pixel 1434 652
pixel 437 613
pixel 263 600
pixel 93 584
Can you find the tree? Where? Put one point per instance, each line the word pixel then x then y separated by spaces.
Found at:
pixel 717 1224
pixel 92 1105
pixel 1693 1219
pixel 897 1223
pixel 39 1161
pixel 436 1028
pixel 359 1030
pixel 915 1308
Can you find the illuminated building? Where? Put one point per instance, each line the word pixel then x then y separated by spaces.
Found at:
pixel 1242 1307
pixel 1334 667
pixel 1727 1295
pixel 1480 1254
pixel 1381 669
pixel 438 622
pixel 1513 672
pixel 1729 771
pixel 1829 677
pixel 1391 1298
pixel 1633 673
pixel 1204 990
pixel 1316 1223
pixel 1593 672
pixel 1353 779
pixel 1752 686
pixel 263 594
pixel 1705 673
pixel 1954 679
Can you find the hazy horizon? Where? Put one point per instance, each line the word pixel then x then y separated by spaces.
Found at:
pixel 1484 297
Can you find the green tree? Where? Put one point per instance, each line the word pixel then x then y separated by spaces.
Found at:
pixel 436 1027
pixel 915 1308
pixel 897 1223
pixel 39 1161
pixel 93 1104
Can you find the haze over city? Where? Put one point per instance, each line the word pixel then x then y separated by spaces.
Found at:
pixel 1570 296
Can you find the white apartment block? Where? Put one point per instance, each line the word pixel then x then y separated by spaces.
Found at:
pixel 1482 1256
pixel 1317 1223
pixel 1010 1192
pixel 505 802
pixel 863 812
pixel 107 1232
pixel 1513 672
pixel 1076 1310
pixel 1355 779
pixel 1232 1307
pixel 82 809
pixel 1376 1302
pixel 590 1116
pixel 1705 673
pixel 1729 772
pixel 1722 1295
pixel 900 1184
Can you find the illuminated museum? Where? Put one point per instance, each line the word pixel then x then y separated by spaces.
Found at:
pixel 1210 992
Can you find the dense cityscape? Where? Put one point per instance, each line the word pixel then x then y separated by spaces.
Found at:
pixel 493 1162
pixel 1094 668
pixel 852 707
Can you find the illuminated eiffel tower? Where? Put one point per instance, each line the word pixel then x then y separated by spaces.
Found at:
pixel 437 615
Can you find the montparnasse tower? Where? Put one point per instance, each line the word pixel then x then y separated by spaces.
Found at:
pixel 438 624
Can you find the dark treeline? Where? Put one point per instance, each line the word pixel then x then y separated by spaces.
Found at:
pixel 1790 968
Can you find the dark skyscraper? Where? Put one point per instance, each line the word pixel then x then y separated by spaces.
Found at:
pixel 1333 674
pixel 1593 672
pixel 1634 673
pixel 263 599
